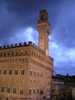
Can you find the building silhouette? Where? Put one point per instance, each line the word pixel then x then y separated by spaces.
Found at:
pixel 26 69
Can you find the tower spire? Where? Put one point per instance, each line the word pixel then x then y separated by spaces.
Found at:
pixel 44 30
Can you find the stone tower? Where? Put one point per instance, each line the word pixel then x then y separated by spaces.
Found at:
pixel 43 29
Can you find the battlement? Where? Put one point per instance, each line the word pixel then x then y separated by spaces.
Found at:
pixel 9 50
pixel 24 44
pixel 17 45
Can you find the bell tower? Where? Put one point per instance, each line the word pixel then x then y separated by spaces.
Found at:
pixel 43 29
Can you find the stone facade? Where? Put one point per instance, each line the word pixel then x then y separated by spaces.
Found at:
pixel 25 72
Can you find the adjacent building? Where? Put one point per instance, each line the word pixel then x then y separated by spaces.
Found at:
pixel 26 69
pixel 63 87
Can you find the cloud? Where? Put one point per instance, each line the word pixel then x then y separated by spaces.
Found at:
pixel 60 53
pixel 64 27
pixel 14 15
pixel 64 58
pixel 24 35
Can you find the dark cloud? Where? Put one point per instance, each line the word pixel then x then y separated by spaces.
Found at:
pixel 64 28
pixel 14 15
pixel 20 13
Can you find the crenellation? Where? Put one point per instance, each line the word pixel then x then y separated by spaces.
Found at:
pixel 24 52
pixel 25 43
pixel 30 43
pixel 16 44
pixel 20 44
pixel 9 46
pixel 4 46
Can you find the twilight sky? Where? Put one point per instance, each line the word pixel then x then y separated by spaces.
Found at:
pixel 18 20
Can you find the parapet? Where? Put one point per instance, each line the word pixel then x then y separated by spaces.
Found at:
pixel 17 45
